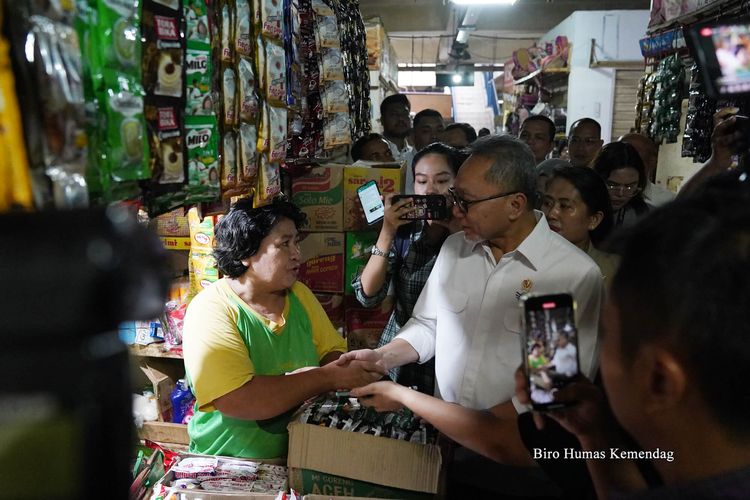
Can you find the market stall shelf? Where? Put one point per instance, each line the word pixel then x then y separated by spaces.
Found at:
pixel 153 351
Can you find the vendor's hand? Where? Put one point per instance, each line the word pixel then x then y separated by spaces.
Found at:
pixel 383 396
pixel 374 357
pixel 394 211
pixel 353 374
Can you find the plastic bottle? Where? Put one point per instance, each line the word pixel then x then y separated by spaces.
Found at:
pixel 181 398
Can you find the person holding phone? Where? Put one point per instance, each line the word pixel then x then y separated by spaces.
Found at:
pixel 406 251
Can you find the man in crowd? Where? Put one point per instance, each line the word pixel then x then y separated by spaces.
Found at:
pixel 654 194
pixel 539 133
pixel 372 147
pixel 584 141
pixel 468 318
pixel 428 127
pixel 459 135
pixel 671 352
pixel 396 120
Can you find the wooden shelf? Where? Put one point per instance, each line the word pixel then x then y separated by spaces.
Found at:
pixel 164 432
pixel 153 351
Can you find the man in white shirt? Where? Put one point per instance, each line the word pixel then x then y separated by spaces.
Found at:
pixel 654 194
pixel 564 361
pixel 396 120
pixel 468 317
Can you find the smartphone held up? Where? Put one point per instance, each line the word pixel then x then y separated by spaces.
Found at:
pixel 550 346
pixel 372 202
pixel 425 207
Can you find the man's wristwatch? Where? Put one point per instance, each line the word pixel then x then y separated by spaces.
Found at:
pixel 376 251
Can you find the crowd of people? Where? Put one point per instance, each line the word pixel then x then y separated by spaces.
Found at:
pixel 659 331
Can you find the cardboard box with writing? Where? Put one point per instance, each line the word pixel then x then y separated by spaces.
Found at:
pixel 319 194
pixel 322 269
pixel 389 178
pixel 334 462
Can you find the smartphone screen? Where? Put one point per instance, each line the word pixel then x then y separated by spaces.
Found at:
pixel 372 204
pixel 722 51
pixel 550 346
pixel 427 207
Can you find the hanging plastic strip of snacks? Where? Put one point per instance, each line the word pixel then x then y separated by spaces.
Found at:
pixel 229 162
pixel 271 15
pixel 199 79
pixel 229 95
pixel 197 21
pixel 277 118
pixel 202 142
pixel 165 136
pixel 247 168
pixel 275 74
pixel 243 35
pixel 164 49
pixel 248 105
pixel 269 182
pixel 226 32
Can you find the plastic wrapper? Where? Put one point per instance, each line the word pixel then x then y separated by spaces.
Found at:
pixel 321 8
pixel 120 36
pixel 696 141
pixel 229 161
pixel 197 21
pixel 201 264
pixel 229 96
pixel 174 313
pixel 199 79
pixel 327 32
pixel 277 118
pixel 269 182
pixel 243 29
pixel 165 138
pixel 125 141
pixel 226 31
pixel 331 64
pixel 271 15
pixel 336 130
pixel 248 165
pixel 275 74
pixel 335 97
pixel 248 98
pixel 164 50
pixel 202 141
pixel 264 130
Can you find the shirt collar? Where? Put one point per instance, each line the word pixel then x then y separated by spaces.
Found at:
pixel 534 246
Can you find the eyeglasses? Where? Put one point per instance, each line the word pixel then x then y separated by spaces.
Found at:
pixel 589 141
pixel 623 189
pixel 463 205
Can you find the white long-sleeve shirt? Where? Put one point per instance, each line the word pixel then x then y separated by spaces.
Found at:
pixel 468 315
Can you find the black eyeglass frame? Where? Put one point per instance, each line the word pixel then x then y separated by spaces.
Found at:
pixel 464 205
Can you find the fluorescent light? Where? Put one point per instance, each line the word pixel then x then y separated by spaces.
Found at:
pixel 457 78
pixel 484 2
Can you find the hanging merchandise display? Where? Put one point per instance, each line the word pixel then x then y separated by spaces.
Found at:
pixel 696 141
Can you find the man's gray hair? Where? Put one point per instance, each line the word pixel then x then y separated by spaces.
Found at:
pixel 513 167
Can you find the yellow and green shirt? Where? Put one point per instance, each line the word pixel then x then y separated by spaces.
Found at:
pixel 226 343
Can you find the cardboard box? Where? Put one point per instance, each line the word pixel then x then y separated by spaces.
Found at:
pixel 322 459
pixel 333 305
pixel 320 195
pixel 160 375
pixel 364 326
pixel 323 266
pixel 358 246
pixel 390 179
pixel 333 497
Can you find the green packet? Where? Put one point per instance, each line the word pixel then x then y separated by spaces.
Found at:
pixel 119 35
pixel 124 146
pixel 202 143
pixel 196 19
pixel 199 79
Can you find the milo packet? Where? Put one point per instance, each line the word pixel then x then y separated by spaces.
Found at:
pixel 202 142
pixel 196 21
pixel 199 78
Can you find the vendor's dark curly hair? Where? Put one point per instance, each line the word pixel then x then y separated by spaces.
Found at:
pixel 239 233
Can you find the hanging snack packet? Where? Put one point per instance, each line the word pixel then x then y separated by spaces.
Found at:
pixel 248 97
pixel 196 18
pixel 277 118
pixel 229 162
pixel 124 139
pixel 275 74
pixel 120 36
pixel 269 184
pixel 264 130
pixel 163 50
pixel 201 139
pixel 260 62
pixel 165 138
pixel 327 32
pixel 199 77
pixel 248 166
pixel 229 89
pixel 271 14
pixel 336 130
pixel 332 65
pixel 335 97
pixel 243 29
pixel 226 34
pixel 321 8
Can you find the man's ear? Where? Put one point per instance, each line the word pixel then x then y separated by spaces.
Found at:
pixel 666 379
pixel 518 204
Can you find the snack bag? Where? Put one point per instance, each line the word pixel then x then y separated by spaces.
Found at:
pixel 335 97
pixel 163 52
pixel 275 80
pixel 120 34
pixel 269 184
pixel 271 14
pixel 248 166
pixel 327 32
pixel 336 130
pixel 229 87
pixel 277 118
pixel 243 29
pixel 201 139
pixel 229 162
pixel 199 77
pixel 226 31
pixel 197 22
pixel 248 98
pixel 165 139
pixel 331 65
